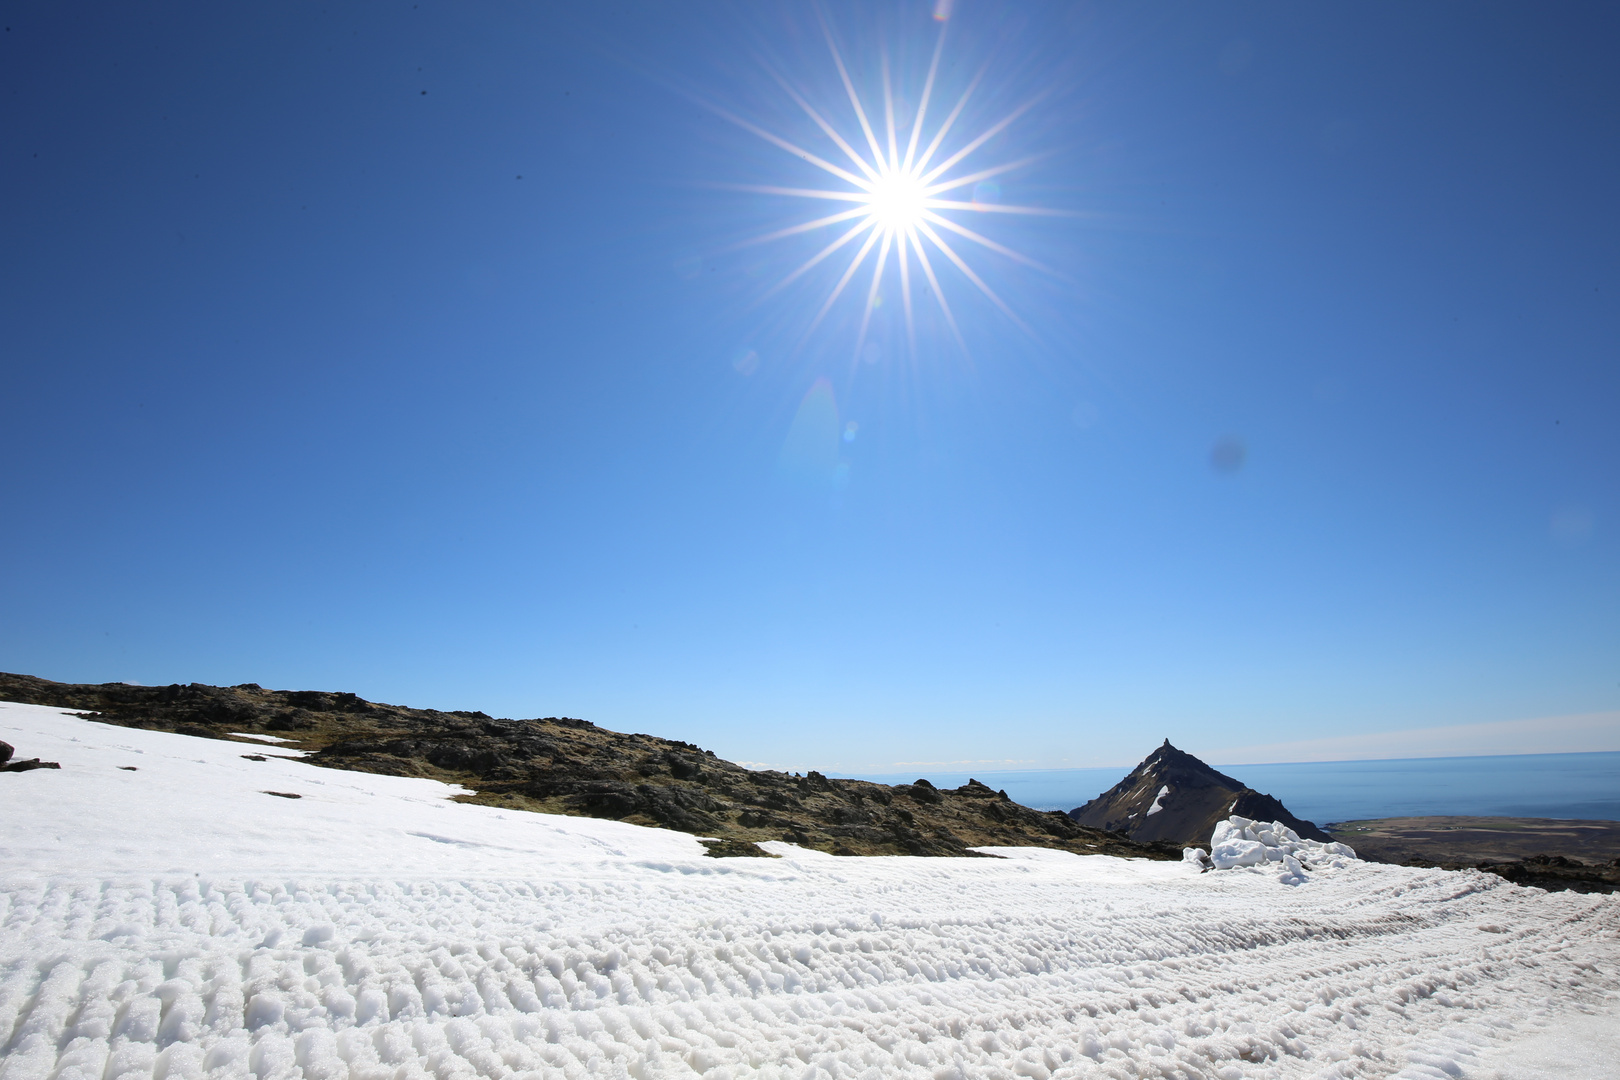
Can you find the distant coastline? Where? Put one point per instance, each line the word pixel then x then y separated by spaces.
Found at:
pixel 1584 786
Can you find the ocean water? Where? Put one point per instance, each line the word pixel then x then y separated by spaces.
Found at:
pixel 1518 785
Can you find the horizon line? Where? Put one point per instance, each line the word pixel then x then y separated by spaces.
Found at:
pixel 1246 764
pixel 1571 733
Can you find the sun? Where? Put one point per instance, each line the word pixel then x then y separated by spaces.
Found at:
pixel 904 195
pixel 897 201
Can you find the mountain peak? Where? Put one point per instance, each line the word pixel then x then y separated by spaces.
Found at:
pixel 1176 797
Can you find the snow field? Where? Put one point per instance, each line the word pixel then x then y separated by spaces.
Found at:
pixel 556 947
pixel 148 802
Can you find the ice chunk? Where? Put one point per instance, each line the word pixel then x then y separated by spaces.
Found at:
pixel 1238 841
pixel 1238 852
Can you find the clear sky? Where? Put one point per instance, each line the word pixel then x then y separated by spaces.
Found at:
pixel 417 349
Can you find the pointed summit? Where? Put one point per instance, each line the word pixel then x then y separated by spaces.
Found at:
pixel 1173 796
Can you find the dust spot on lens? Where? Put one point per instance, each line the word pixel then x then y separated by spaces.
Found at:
pixel 1228 455
pixel 1084 415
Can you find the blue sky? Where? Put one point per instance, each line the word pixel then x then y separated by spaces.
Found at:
pixel 409 349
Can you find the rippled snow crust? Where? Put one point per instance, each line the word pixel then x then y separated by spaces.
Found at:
pixel 525 945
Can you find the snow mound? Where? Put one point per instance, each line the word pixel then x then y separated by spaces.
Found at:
pixel 1240 842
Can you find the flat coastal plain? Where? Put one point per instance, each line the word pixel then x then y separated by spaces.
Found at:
pixel 1476 840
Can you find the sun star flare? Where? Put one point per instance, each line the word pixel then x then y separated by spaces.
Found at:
pixel 905 193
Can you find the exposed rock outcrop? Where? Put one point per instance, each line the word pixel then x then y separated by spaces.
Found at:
pixel 28 765
pixel 1172 797
pixel 1555 873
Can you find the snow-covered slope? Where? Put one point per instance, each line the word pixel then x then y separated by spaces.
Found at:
pixel 176 921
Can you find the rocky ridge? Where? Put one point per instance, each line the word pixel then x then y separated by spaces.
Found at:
pixel 562 765
pixel 1173 797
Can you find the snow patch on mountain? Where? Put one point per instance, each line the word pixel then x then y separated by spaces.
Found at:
pixel 1158 800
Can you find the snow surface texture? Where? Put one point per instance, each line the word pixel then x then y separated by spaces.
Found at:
pixel 1268 847
pixel 176 921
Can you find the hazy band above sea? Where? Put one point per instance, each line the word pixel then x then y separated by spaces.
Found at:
pixel 1517 785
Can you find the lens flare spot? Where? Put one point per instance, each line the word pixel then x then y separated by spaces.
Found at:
pixel 809 455
pixel 1571 525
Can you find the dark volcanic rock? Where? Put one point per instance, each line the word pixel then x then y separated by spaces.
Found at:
pixel 1555 873
pixel 562 765
pixel 8 765
pixel 1173 797
pixel 28 765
